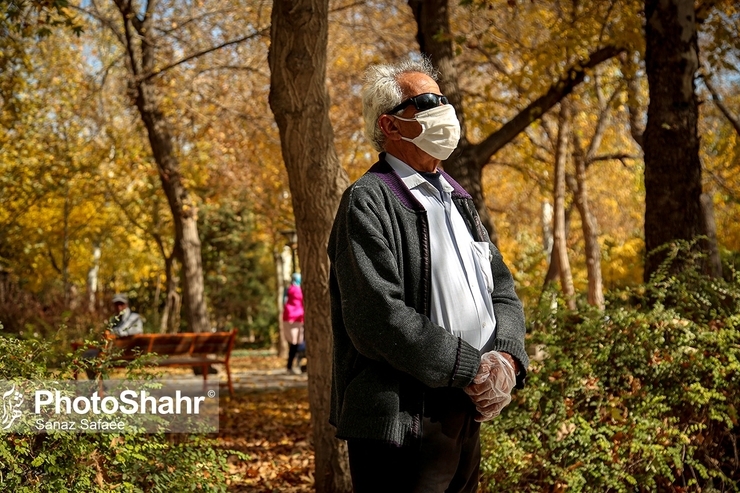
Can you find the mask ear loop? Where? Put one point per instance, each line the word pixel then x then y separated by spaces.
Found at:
pixel 403 137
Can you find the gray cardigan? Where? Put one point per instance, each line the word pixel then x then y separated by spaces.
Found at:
pixel 387 352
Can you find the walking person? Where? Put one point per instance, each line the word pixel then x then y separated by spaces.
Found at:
pixel 293 323
pixel 428 330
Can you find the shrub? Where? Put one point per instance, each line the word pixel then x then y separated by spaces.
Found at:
pixel 87 462
pixel 643 396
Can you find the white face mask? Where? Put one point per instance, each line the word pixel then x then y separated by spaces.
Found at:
pixel 440 131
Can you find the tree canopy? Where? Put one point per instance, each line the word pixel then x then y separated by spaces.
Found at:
pixel 168 149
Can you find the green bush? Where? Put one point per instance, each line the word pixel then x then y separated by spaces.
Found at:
pixel 643 396
pixel 104 462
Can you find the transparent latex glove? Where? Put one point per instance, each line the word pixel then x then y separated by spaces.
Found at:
pixel 491 387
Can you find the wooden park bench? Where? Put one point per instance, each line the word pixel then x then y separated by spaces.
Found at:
pixel 182 349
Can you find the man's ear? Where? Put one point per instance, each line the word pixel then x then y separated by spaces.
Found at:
pixel 389 127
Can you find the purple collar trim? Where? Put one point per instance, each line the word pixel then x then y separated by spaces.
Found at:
pixel 384 171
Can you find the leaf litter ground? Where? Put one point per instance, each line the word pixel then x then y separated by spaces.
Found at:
pixel 272 426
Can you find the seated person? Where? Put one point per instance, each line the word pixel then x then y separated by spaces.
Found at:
pixel 123 324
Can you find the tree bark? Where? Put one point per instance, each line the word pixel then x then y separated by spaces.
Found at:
pixel 671 142
pixel 590 234
pixel 714 267
pixel 140 45
pixel 300 103
pixel 467 163
pixel 559 243
pixel 553 268
pixel 170 320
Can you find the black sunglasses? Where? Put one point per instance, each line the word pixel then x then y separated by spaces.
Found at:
pixel 422 102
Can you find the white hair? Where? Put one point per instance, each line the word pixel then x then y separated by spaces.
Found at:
pixel 381 92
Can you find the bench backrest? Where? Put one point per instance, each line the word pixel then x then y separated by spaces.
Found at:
pixel 181 344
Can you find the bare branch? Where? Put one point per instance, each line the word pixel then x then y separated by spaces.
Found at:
pixel 193 56
pixel 345 7
pixel 241 68
pixel 734 120
pixel 52 259
pixel 598 136
pixel 573 76
pixel 194 19
pixel 633 89
pixel 524 171
pixel 611 157
pixel 104 21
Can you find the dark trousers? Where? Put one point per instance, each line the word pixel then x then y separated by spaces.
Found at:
pixel 446 460
pixel 295 350
pixel 91 354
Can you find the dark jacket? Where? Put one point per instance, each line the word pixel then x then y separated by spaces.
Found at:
pixel 387 352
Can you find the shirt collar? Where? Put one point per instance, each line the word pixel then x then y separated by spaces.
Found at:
pixel 410 177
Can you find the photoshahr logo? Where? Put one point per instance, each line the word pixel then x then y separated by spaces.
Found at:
pixel 112 406
pixel 11 407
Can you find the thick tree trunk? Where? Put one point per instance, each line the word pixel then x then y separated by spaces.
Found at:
pixel 560 246
pixel 140 43
pixel 671 143
pixel 300 103
pixel 184 210
pixel 467 163
pixel 590 235
pixel 433 28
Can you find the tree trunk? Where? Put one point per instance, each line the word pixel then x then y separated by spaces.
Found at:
pixel 590 234
pixel 157 299
pixel 560 246
pixel 433 29
pixel 92 278
pixel 671 143
pixel 170 320
pixel 184 210
pixel 714 267
pixel 553 269
pixel 140 44
pixel 300 103
pixel 467 163
pixel 65 248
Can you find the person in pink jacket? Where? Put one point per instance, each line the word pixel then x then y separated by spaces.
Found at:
pixel 293 322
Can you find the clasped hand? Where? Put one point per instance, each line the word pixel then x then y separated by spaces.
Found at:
pixel 491 387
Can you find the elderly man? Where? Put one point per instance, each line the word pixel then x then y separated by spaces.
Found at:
pixel 428 331
pixel 125 322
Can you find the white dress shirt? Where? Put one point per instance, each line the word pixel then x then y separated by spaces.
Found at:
pixel 461 267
